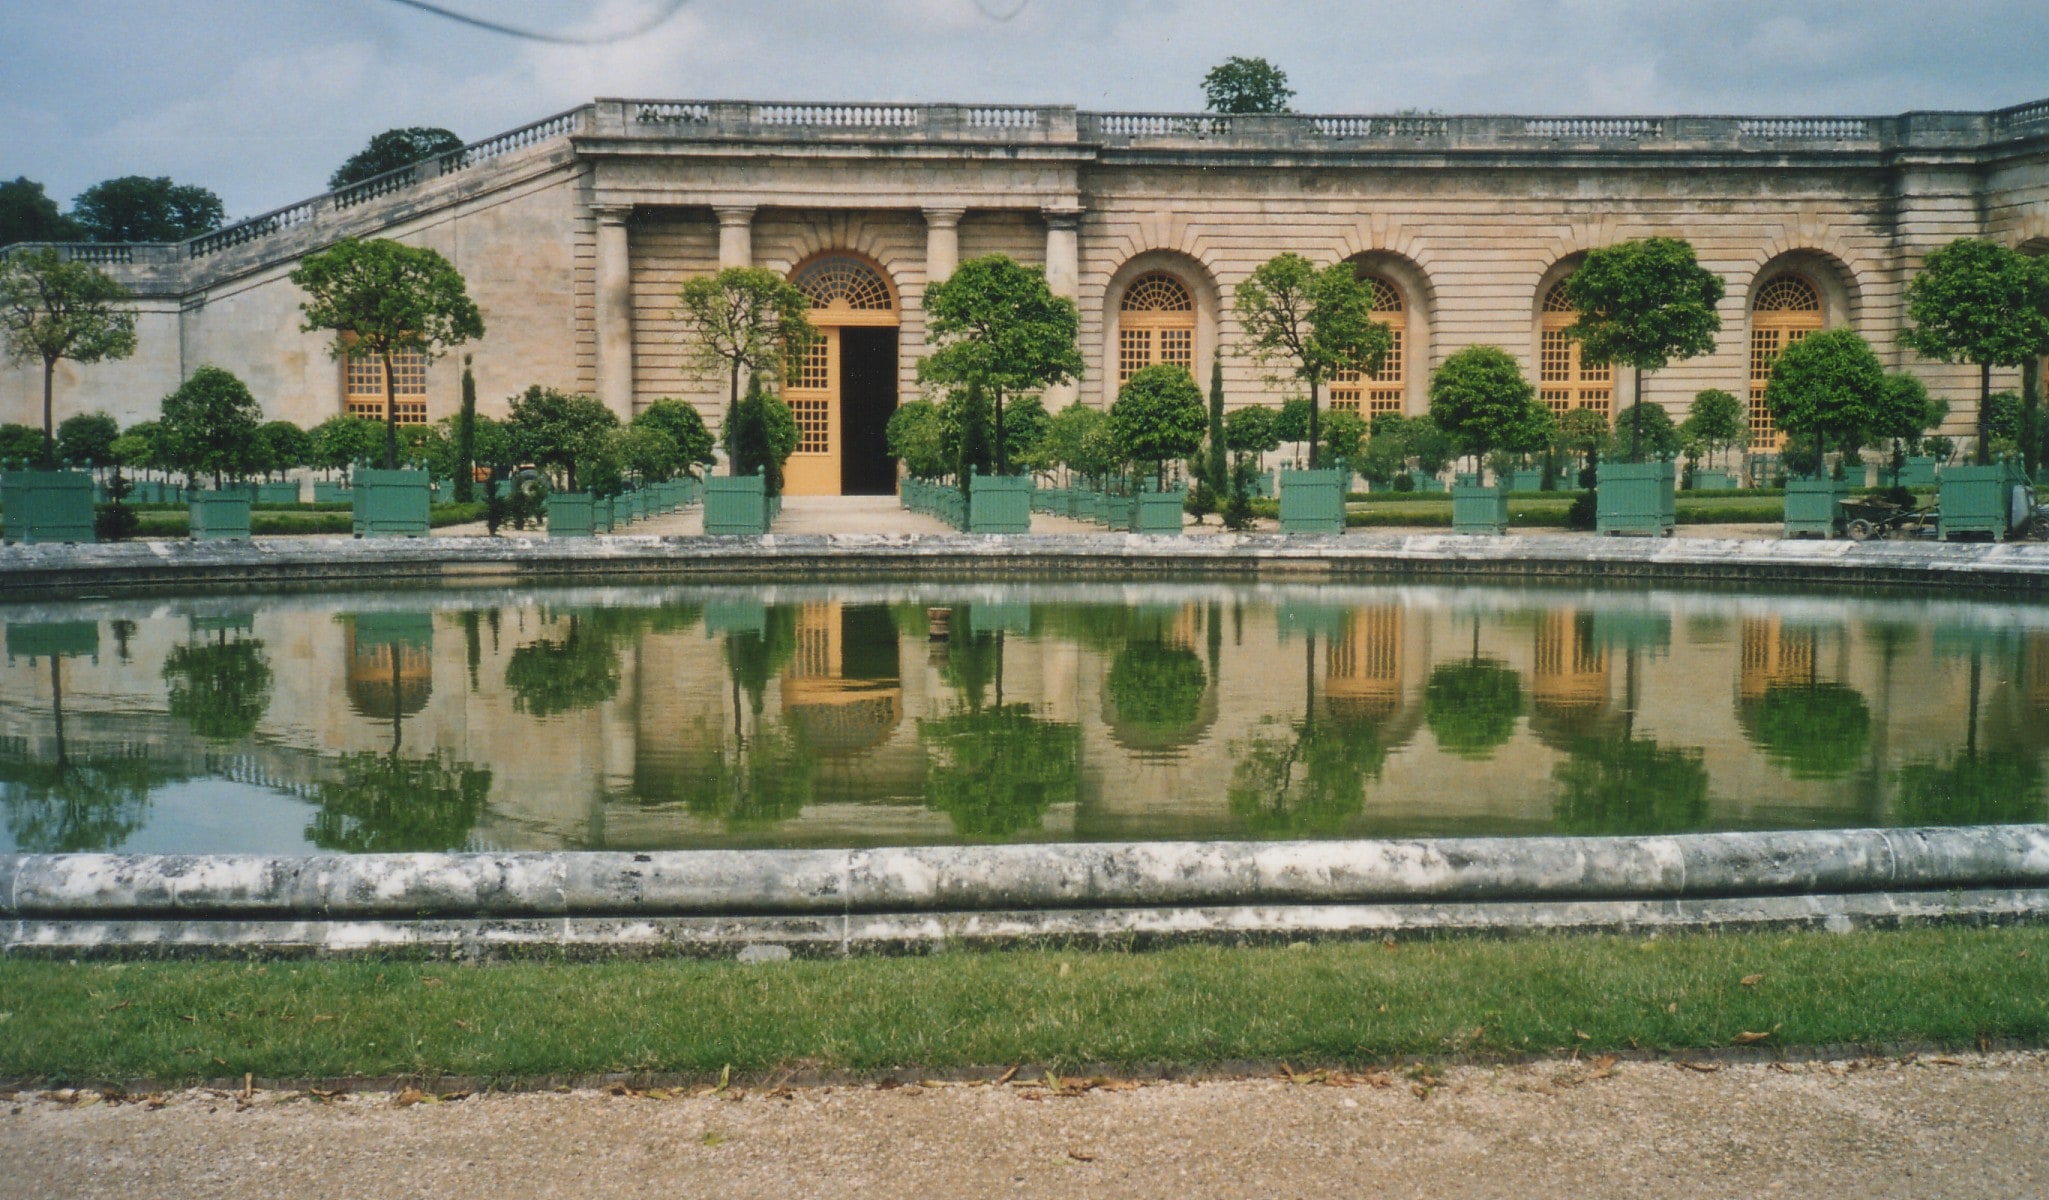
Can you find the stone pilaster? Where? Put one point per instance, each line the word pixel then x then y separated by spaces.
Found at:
pixel 614 312
pixel 1063 277
pixel 736 236
pixel 942 243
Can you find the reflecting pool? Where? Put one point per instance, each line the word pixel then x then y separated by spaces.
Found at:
pixel 667 717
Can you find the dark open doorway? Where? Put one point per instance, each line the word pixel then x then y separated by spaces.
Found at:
pixel 867 398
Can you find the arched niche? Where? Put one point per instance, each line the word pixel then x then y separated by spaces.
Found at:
pixel 1146 281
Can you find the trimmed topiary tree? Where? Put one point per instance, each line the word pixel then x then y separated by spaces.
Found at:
pixel 1643 304
pixel 1822 387
pixel 209 425
pixel 1158 416
pixel 1480 398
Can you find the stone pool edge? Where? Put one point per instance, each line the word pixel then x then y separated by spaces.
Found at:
pixel 776 904
pixel 29 571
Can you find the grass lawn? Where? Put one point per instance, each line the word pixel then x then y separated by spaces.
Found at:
pixel 1333 1004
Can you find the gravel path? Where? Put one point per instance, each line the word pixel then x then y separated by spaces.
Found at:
pixel 1967 1126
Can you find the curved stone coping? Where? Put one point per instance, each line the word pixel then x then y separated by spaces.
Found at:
pixel 27 570
pixel 826 883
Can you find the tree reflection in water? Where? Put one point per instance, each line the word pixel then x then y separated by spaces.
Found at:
pixel 1310 783
pixel 996 771
pixel 383 803
pixel 1630 785
pixel 1994 787
pixel 1472 707
pixel 1813 730
pixel 221 688
pixel 548 677
pixel 1157 687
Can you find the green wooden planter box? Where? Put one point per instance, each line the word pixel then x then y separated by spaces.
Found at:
pixel 1975 500
pixel 328 492
pixel 1713 481
pixel 1918 472
pixel 1813 506
pixel 221 516
pixel 1262 485
pixel 1479 508
pixel 1160 512
pixel 604 516
pixel 1312 501
pixel 53 639
pixel 1000 504
pixel 390 503
pixel 1636 498
pixel 1426 482
pixel 1526 479
pixel 286 492
pixel 46 506
pixel 735 506
pixel 569 514
pixel 1764 469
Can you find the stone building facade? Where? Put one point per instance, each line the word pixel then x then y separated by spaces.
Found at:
pixel 575 232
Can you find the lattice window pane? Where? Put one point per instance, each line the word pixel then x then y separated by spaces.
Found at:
pixel 1392 368
pixel 1788 293
pixel 814 423
pixel 814 369
pixel 1177 346
pixel 1347 399
pixel 1134 352
pixel 1558 400
pixel 1381 400
pixel 363 387
pixel 1554 357
pixel 1600 401
pixel 1158 292
pixel 1386 298
pixel 843 279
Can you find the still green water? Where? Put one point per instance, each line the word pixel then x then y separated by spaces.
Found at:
pixel 677 717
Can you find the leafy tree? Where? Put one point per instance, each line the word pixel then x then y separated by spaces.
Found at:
pixel 1652 429
pixel 27 215
pixel 680 422
pixel 1822 387
pixel 209 425
pixel 1069 434
pixel 1642 304
pixel 150 435
pixel 1158 416
pixel 1344 434
pixel 1250 431
pixel 769 777
pixel 117 522
pixel 20 443
pixel 996 324
pixel 1429 445
pixel 1977 301
pixel 1471 707
pixel 559 430
pixel 221 688
pixel 1714 422
pixel 1291 422
pixel 1993 788
pixel 1246 85
pixel 915 438
pixel 380 298
pixel 1582 431
pixel 1214 480
pixel 744 320
pixel 995 771
pixel 1316 322
pixel 1480 398
pixel 466 436
pixel 87 438
pixel 385 804
pixel 646 451
pixel 1024 427
pixel 136 208
pixel 1813 730
pixel 761 435
pixel 392 149
pixel 1900 413
pixel 340 442
pixel 1387 451
pixel 281 446
pixel 52 309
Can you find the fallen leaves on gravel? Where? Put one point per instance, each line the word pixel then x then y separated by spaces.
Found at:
pixel 1750 1037
pixel 1705 1068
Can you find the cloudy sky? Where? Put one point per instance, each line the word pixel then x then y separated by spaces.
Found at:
pixel 260 99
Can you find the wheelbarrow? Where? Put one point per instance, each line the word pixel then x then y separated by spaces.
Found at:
pixel 1867 519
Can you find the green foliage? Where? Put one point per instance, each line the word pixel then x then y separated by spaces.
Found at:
pixel 1157 687
pixel 51 310
pixel 766 778
pixel 87 439
pixel 392 149
pixel 1252 430
pixel 341 442
pixel 1386 458
pixel 916 438
pixel 466 436
pixel 116 521
pixel 1344 435
pixel 1480 398
pixel 385 804
pixel 74 806
pixel 221 689
pixel 209 425
pixel 1714 423
pixel 1158 415
pixel 995 323
pixel 760 435
pixel 966 433
pixel 1823 387
pixel 1316 322
pixel 549 676
pixel 1024 429
pixel 1980 302
pixel 1999 788
pixel 1291 423
pixel 1611 787
pixel 280 446
pixel 1584 432
pixel 1652 428
pixel 1812 730
pixel 995 771
pixel 148 454
pixel 1214 479
pixel 136 208
pixel 1471 707
pixel 1246 85
pixel 681 423
pixel 1643 304
pixel 744 320
pixel 20 443
pixel 1308 784
pixel 380 297
pixel 1900 413
pixel 1428 444
pixel 647 452
pixel 27 215
pixel 561 432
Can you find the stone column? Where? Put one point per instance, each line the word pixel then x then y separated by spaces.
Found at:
pixel 1063 277
pixel 942 243
pixel 736 236
pixel 614 314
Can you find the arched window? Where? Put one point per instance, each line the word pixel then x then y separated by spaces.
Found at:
pixel 1155 324
pixel 363 387
pixel 844 283
pixel 1563 381
pixel 1384 390
pixel 1786 309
